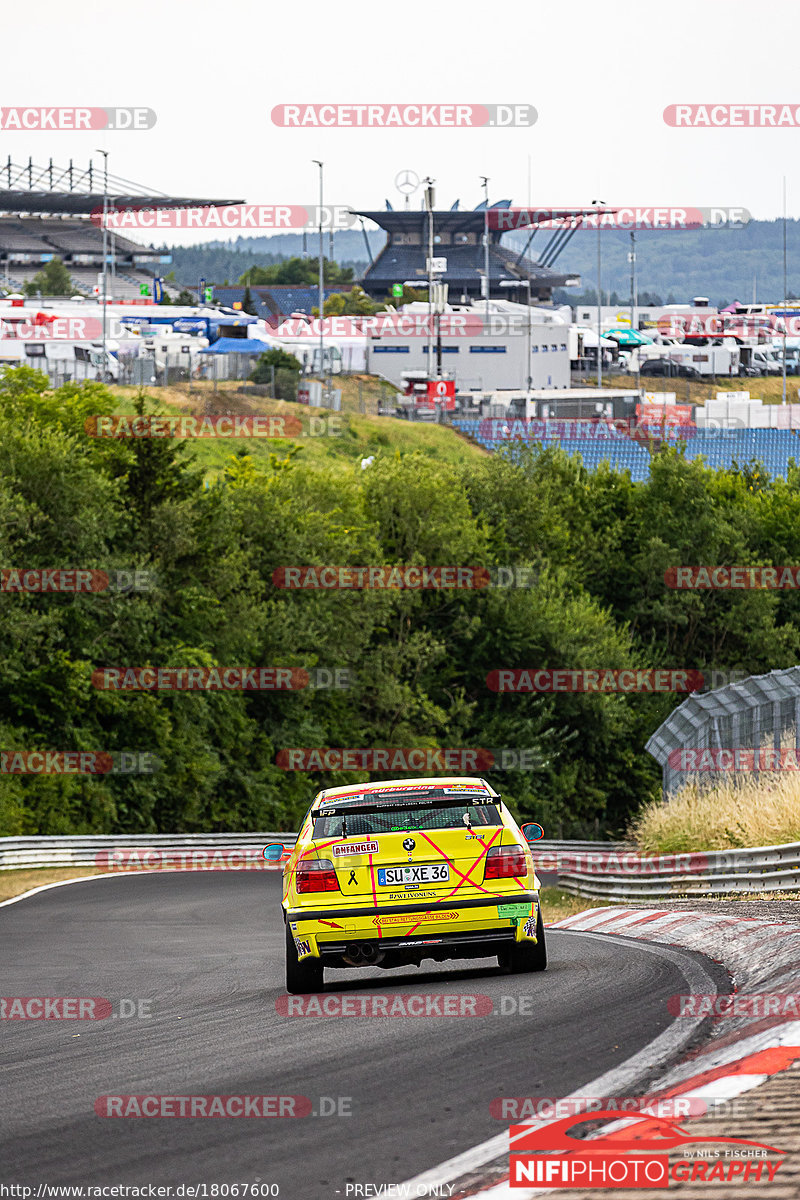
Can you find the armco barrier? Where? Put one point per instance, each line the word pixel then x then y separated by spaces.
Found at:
pixel 600 870
pixel 18 852
pixel 626 875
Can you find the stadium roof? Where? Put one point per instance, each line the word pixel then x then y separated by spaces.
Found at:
pixel 444 220
pixel 28 188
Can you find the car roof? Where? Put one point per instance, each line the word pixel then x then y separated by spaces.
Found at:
pixel 458 783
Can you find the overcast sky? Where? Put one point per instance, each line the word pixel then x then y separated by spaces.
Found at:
pixel 599 76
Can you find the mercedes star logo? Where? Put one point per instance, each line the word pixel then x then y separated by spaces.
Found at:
pixel 407 182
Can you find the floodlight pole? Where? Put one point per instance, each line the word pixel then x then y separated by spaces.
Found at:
pixel 429 201
pixel 528 283
pixel 783 401
pixel 105 253
pixel 599 303
pixel 321 279
pixel 485 181
pixel 632 257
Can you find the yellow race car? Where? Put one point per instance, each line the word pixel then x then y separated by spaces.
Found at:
pixel 387 874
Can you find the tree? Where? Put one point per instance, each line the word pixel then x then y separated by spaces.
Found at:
pixel 54 279
pixel 301 271
pixel 186 299
pixel 247 302
pixel 410 296
pixel 281 368
pixel 355 303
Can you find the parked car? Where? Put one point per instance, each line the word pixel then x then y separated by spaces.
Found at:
pixel 665 366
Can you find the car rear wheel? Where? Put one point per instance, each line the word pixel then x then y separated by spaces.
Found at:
pixel 524 957
pixel 302 975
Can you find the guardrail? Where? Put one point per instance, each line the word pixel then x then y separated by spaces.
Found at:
pixel 624 874
pixel 19 852
pixel 67 851
pixel 598 870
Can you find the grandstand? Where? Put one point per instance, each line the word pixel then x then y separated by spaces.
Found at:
pixel 772 448
pixel 45 213
pixel 274 302
pixel 458 237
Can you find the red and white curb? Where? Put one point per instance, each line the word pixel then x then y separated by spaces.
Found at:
pixel 743 1050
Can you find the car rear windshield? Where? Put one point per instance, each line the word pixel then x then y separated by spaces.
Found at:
pixel 403 817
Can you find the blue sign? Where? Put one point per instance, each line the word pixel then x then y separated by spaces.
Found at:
pixel 487 349
pixel 390 350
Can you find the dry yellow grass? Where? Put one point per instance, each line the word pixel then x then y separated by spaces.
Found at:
pixel 761 810
pixel 14 883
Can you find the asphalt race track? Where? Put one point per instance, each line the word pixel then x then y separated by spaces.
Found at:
pixel 206 950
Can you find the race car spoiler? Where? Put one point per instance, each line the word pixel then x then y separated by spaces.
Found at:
pixel 385 802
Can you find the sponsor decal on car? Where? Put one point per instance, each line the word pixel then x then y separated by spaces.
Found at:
pixel 411 887
pixel 529 928
pixel 513 910
pixel 303 948
pixel 348 848
pixel 414 918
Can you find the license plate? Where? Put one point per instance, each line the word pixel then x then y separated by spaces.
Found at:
pixel 397 876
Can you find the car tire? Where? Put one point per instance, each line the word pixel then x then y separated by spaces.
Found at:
pixel 523 957
pixel 302 975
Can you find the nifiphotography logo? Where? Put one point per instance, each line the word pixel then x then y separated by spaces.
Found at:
pixel 632 1152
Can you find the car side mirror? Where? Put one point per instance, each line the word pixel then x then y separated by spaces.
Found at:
pixel 532 832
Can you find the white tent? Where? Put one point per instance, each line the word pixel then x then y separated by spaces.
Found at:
pixel 590 338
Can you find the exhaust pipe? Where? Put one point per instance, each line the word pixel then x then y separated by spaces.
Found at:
pixel 362 954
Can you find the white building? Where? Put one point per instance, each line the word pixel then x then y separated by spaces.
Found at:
pixel 482 353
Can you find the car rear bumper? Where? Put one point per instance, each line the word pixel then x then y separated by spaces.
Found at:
pixel 427 930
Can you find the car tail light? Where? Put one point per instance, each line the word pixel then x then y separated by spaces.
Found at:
pixel 316 875
pixel 505 862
